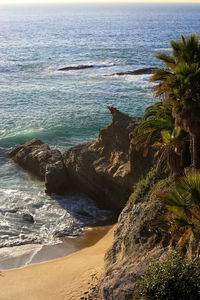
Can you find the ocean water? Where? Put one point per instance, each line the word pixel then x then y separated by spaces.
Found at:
pixel 67 108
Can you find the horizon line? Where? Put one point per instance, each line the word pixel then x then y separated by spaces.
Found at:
pixel 78 2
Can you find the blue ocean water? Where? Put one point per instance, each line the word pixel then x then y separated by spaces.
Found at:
pixel 66 108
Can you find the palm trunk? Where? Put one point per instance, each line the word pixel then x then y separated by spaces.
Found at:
pixel 195 151
pixel 191 149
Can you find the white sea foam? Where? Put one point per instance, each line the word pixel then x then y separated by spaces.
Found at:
pixel 163 49
pixel 21 256
pixel 141 81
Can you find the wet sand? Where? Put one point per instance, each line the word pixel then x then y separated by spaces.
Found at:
pixel 66 278
pixel 20 256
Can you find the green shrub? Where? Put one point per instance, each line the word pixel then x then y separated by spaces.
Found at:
pixel 174 278
pixel 146 186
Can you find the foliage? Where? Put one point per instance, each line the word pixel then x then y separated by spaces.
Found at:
pixel 145 192
pixel 174 278
pixel 182 202
pixel 146 186
pixel 178 80
pixel 157 129
pixel 157 118
pixel 179 83
pixel 173 149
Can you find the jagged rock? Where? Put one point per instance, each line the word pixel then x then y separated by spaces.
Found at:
pixel 40 160
pixel 144 71
pixel 101 168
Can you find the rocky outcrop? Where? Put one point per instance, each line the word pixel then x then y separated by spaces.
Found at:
pixel 144 71
pixel 105 169
pixel 40 160
pixel 101 168
pixel 135 240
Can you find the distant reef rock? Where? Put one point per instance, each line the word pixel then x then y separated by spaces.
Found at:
pixel 135 72
pixel 82 67
pixel 144 71
pixel 70 68
pixel 105 169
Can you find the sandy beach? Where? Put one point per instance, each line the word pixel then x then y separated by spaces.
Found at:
pixel 66 278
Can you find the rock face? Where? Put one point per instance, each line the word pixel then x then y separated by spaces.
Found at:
pixel 40 160
pixel 101 168
pixel 105 169
pixel 135 241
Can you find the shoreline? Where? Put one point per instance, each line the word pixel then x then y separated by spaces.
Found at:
pixel 66 278
pixel 17 257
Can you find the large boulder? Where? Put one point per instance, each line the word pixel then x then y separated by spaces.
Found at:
pixel 40 160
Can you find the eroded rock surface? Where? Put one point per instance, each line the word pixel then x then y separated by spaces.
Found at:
pixel 40 160
pixel 101 168
pixel 135 240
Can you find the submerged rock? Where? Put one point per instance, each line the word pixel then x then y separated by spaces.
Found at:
pixel 81 67
pixel 28 218
pixel 70 68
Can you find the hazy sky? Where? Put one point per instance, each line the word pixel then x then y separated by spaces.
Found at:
pixel 4 2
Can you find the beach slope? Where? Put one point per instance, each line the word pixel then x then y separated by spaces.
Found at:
pixel 68 278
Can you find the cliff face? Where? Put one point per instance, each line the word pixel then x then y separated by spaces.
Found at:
pixel 135 240
pixel 106 169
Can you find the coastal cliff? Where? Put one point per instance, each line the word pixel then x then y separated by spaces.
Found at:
pixel 135 239
pixel 113 173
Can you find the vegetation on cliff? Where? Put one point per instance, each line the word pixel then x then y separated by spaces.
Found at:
pixel 163 212
pixel 173 278
pixel 173 126
pixel 178 113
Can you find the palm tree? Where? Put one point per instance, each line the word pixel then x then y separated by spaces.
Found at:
pixel 157 129
pixel 173 150
pixel 179 83
pixel 182 202
pixel 157 117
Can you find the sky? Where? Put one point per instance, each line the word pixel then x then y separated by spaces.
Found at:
pixel 12 2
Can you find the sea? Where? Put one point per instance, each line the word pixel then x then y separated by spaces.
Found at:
pixel 65 108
